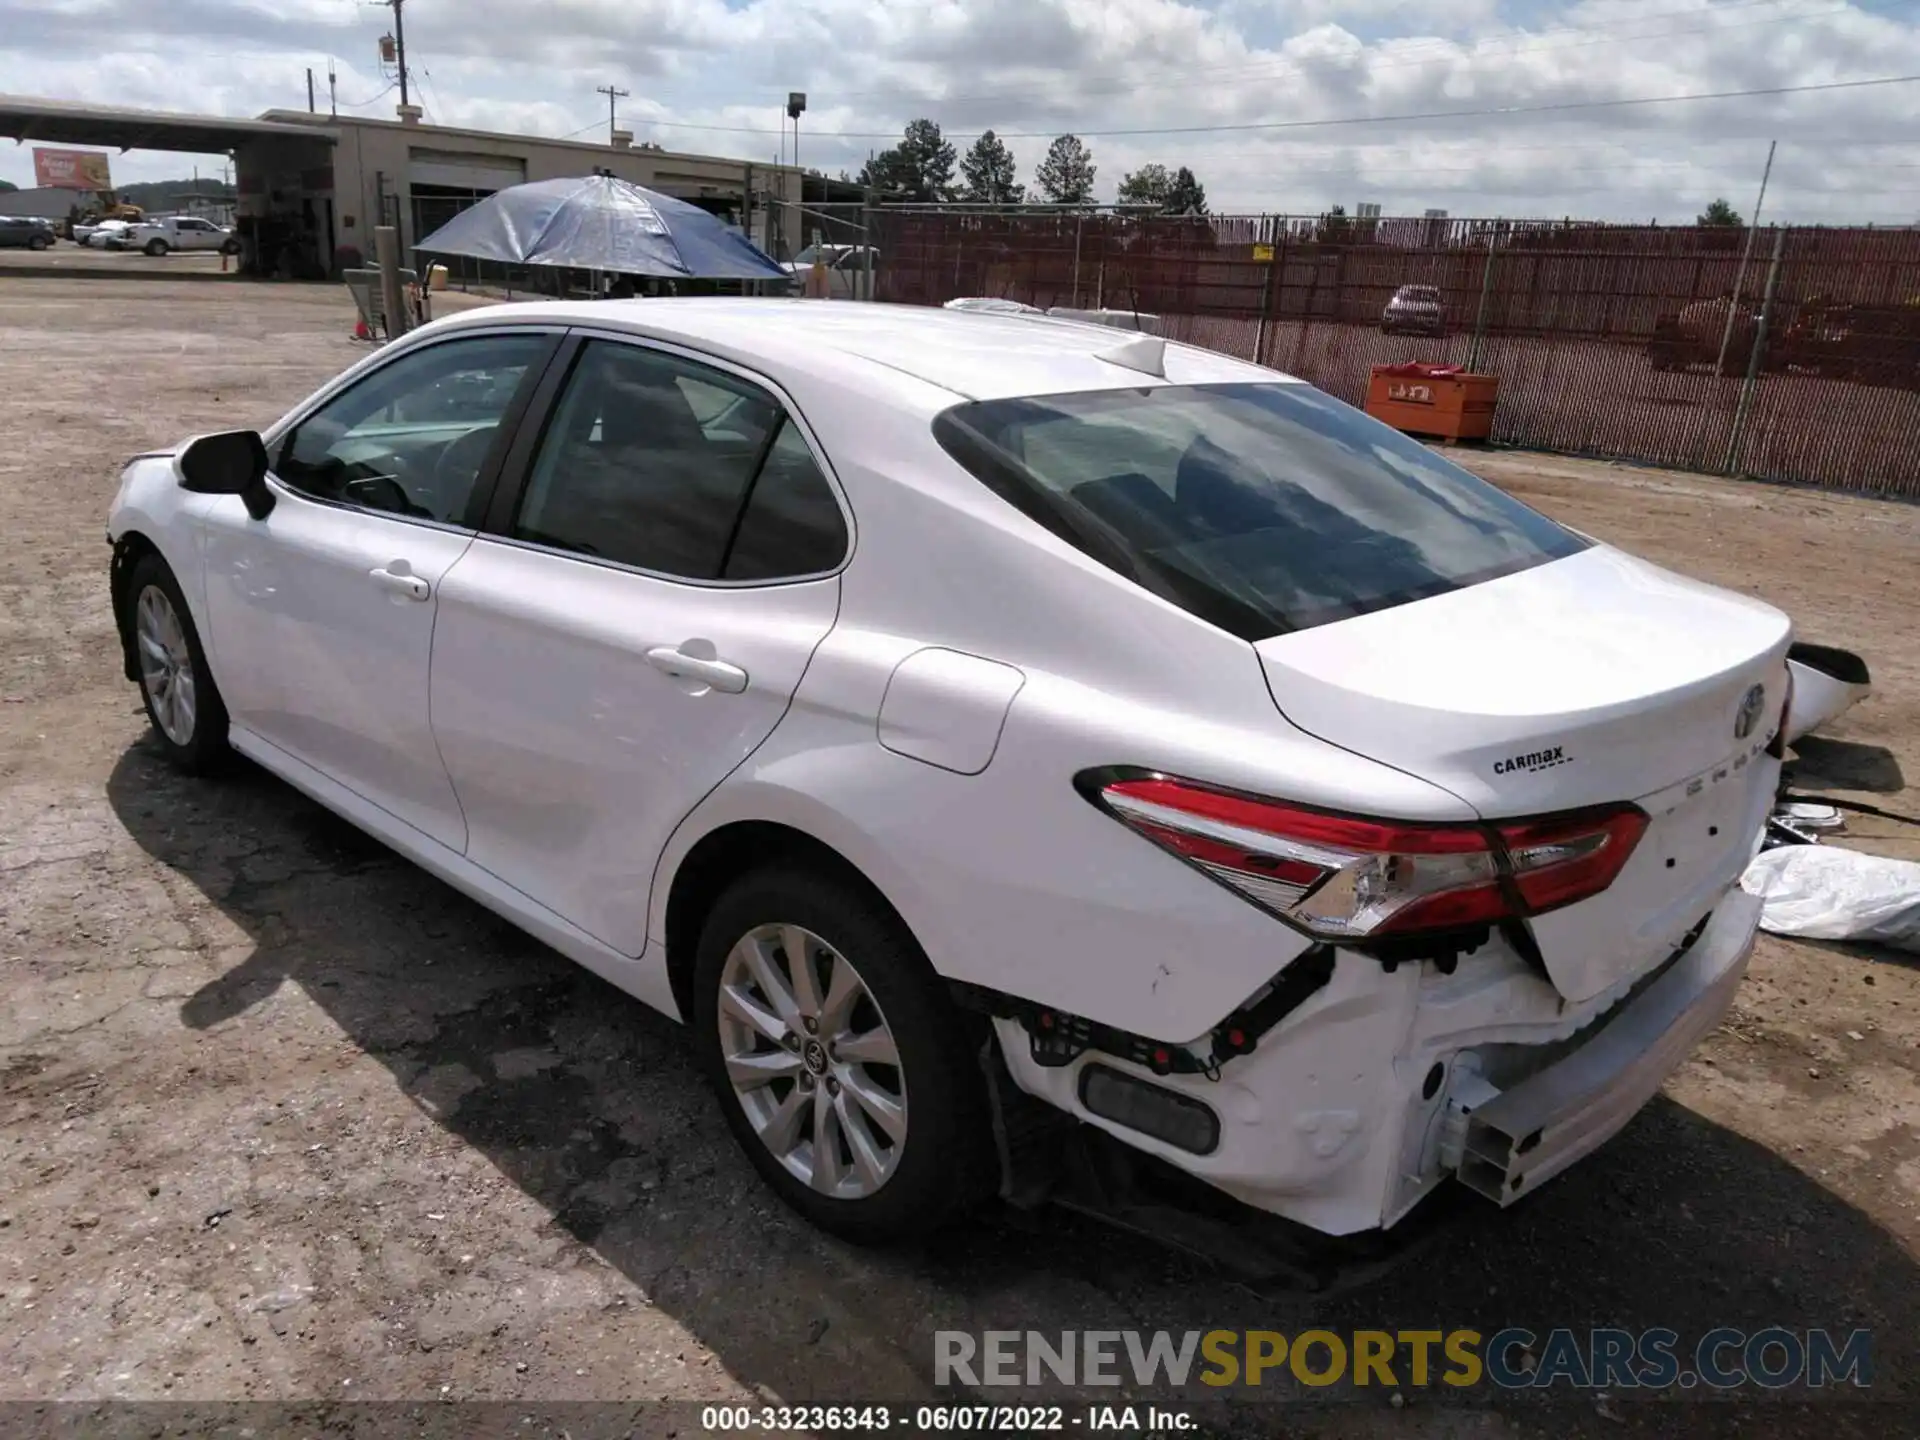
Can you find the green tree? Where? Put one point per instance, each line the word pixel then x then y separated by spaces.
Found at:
pixel 989 175
pixel 918 170
pixel 1149 185
pixel 1171 192
pixel 1335 228
pixel 1720 212
pixel 1187 196
pixel 1066 175
pixel 6 185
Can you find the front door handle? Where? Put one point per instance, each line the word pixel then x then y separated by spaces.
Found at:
pixel 398 576
pixel 730 679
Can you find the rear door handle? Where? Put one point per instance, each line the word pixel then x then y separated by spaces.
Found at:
pixel 730 679
pixel 398 577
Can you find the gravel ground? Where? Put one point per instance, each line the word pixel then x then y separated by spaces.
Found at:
pixel 282 1118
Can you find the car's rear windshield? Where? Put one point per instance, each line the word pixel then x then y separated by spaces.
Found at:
pixel 1261 508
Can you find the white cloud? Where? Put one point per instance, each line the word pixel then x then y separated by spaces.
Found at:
pixel 1033 68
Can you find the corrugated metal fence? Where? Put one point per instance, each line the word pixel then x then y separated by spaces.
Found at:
pixel 1619 341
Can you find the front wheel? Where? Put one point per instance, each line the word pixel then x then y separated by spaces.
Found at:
pixel 230 247
pixel 189 718
pixel 844 1071
pixel 156 247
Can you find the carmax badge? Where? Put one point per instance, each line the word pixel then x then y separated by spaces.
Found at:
pixel 1751 704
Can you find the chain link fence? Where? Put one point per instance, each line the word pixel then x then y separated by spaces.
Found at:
pixel 1786 353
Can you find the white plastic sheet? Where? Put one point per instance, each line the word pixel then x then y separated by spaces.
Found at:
pixel 1826 893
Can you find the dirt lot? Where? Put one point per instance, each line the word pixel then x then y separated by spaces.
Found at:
pixel 281 1118
pixel 66 258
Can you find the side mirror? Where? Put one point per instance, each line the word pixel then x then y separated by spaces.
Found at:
pixel 233 462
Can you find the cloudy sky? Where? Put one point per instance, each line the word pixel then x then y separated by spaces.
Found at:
pixel 1233 88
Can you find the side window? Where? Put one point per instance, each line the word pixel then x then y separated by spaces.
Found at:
pixel 646 461
pixel 792 524
pixel 411 437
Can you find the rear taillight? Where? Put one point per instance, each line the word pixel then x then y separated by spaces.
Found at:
pixel 1342 877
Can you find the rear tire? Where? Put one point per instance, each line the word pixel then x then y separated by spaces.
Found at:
pixel 156 248
pixel 188 716
pixel 866 1112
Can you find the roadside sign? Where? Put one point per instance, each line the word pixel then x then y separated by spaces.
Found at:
pixel 71 169
pixel 1263 252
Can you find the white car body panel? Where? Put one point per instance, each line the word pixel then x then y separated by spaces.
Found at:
pixel 323 655
pixel 572 754
pixel 1507 694
pixel 643 978
pixel 924 710
pixel 947 708
pixel 1819 699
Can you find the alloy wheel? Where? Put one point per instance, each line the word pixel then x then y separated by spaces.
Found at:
pixel 812 1062
pixel 166 664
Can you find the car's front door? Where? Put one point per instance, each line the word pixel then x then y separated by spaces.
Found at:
pixel 191 234
pixel 322 614
pixel 634 624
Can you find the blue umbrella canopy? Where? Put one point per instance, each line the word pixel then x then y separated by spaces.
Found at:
pixel 595 222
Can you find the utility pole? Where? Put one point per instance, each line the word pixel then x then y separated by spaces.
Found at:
pixel 399 42
pixel 310 89
pixel 333 91
pixel 614 95
pixel 1746 253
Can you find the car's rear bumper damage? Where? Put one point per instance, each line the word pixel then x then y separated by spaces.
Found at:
pixel 1383 1083
pixel 1507 1143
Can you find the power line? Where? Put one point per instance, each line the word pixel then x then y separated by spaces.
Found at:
pixel 362 104
pixel 1556 107
pixel 426 84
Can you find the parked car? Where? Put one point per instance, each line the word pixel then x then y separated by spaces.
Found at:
pixel 107 235
pixel 25 231
pixel 1415 310
pixel 1203 766
pixel 178 232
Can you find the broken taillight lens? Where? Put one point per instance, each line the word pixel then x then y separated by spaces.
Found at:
pixel 1344 877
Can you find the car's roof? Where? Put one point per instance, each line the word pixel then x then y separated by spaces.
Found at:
pixel 969 353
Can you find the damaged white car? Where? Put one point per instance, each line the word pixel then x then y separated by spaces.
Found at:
pixel 933 708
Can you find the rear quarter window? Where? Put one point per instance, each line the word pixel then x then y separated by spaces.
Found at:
pixel 1262 508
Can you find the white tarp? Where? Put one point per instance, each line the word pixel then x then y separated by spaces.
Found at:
pixel 1823 892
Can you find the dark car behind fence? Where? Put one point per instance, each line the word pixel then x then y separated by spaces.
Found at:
pixel 1792 354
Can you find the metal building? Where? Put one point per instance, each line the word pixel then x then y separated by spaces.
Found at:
pixel 313 187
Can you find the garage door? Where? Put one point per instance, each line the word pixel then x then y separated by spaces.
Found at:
pixel 463 171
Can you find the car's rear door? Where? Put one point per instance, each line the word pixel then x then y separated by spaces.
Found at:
pixel 660 563
pixel 321 615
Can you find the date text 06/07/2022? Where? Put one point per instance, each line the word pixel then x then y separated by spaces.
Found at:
pixel 920 1419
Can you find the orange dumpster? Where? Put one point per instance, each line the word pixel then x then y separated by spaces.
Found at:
pixel 1441 400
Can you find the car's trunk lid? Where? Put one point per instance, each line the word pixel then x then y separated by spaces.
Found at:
pixel 1588 680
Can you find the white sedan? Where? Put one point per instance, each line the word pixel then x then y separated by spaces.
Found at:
pixel 959 717
pixel 107 235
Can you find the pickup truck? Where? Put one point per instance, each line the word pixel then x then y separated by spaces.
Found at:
pixel 177 232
